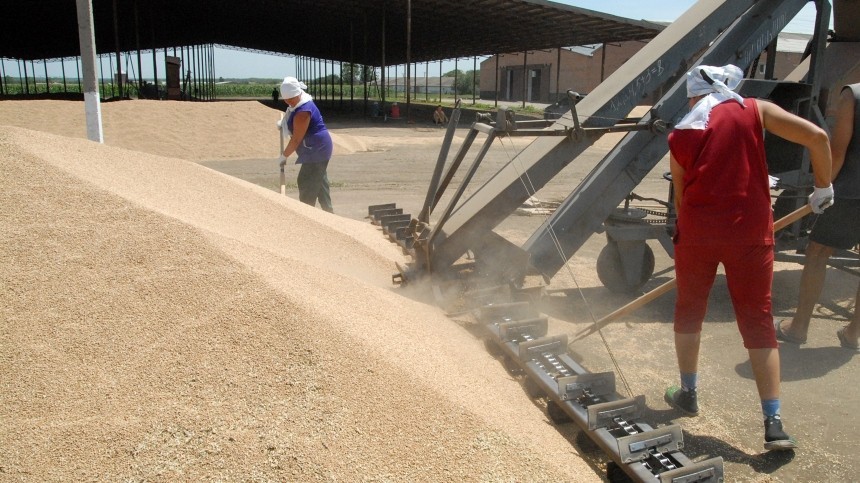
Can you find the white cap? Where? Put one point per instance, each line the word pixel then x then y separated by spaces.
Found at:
pixel 292 87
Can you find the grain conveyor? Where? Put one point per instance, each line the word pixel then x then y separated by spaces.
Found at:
pixel 458 240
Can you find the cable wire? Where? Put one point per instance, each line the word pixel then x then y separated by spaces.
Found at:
pixel 530 189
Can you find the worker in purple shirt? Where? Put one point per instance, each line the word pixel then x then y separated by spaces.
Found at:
pixel 310 140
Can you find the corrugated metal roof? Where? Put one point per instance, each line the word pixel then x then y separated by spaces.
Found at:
pixel 341 30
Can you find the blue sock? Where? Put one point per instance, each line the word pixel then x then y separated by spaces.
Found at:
pixel 770 407
pixel 689 380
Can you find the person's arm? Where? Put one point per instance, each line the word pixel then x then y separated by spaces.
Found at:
pixel 843 129
pixel 301 121
pixel 677 182
pixel 798 130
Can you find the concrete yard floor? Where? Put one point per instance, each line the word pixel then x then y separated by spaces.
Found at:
pixel 820 396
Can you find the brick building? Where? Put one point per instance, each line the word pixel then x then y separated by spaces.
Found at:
pixel 543 76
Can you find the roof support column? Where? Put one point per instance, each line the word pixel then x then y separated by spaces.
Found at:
pixel 116 49
pixel 364 63
pixel 382 70
pixel 351 66
pixel 408 55
pixel 26 79
pixel 456 77
pixel 496 88
pixel 440 81
pixel 47 79
pixel 88 57
pixel 525 76
pixel 557 75
pixel 137 45
pixel 474 77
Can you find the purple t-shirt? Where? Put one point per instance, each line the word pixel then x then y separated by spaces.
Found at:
pixel 317 146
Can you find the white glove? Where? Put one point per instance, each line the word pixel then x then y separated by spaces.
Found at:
pixel 821 199
pixel 279 123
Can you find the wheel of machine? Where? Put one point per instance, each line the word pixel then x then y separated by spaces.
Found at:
pixel 610 271
pixel 556 413
pixel 532 388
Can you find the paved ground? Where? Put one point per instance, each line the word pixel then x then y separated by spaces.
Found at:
pixel 821 399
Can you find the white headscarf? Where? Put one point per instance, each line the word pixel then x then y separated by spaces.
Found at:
pixel 291 87
pixel 717 84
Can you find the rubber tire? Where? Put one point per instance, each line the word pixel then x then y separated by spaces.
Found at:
pixel 611 273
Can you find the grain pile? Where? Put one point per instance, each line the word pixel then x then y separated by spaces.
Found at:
pixel 162 322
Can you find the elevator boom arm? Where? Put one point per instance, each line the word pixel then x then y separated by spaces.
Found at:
pixel 711 32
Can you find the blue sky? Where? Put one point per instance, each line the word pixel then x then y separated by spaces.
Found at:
pixel 238 64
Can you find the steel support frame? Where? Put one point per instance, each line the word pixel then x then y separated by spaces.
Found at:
pixel 746 23
pixel 584 210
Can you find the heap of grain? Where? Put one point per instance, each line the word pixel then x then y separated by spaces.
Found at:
pixel 162 321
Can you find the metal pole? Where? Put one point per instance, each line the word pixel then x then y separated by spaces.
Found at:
pixel 78 68
pixel 116 47
pixel 364 64
pixel 525 77
pixel 456 77
pixel 382 71
pixel 408 55
pixel 351 66
pixel 26 79
pixel 110 72
pixel 88 58
pixel 474 77
pixel 102 91
pixel 154 63
pixel 496 100
pixel 137 45
pixel 558 74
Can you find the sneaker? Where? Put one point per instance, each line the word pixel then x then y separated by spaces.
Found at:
pixel 684 401
pixel 775 439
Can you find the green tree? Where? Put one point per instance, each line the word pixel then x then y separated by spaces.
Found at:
pixel 330 79
pixel 466 81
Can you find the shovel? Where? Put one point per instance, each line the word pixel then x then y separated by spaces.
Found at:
pixel 666 287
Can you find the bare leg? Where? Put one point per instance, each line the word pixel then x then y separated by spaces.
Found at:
pixel 852 330
pixel 687 350
pixel 811 283
pixel 765 366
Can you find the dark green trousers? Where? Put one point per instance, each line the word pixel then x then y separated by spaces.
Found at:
pixel 313 185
